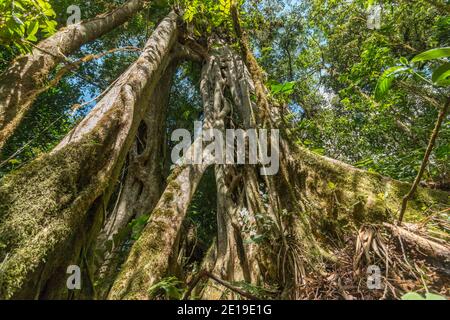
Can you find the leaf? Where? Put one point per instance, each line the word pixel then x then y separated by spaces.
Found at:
pixel 364 162
pixel 386 79
pixel 191 11
pixel 433 296
pixel 412 296
pixel 432 54
pixel 331 186
pixel 32 38
pixel 170 286
pixel 282 88
pixel 225 6
pixel 173 293
pixel 441 76
pixel 33 28
pixel 404 61
pixel 320 151
pixel 137 226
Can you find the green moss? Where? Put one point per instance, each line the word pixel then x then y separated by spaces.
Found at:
pixel 175 172
pixel 174 185
pixel 168 196
pixel 369 197
pixel 42 206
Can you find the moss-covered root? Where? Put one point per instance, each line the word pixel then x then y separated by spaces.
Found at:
pixel 150 257
pixel 43 205
pixel 338 191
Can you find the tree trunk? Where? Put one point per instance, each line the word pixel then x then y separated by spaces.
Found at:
pixel 231 261
pixel 46 205
pixel 143 184
pixel 270 228
pixel 289 210
pixel 25 79
pixel 154 253
pixel 308 195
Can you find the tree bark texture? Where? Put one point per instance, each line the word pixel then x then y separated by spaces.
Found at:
pixel 142 185
pixel 46 207
pixel 25 79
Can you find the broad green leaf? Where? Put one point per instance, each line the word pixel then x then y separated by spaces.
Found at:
pixel 432 54
pixel 23 19
pixel 441 76
pixel 433 296
pixel 386 79
pixel 412 296
pixel 285 88
pixel 32 38
pixel 403 60
pixel 32 28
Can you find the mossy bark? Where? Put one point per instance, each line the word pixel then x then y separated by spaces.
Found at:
pixel 45 204
pixel 141 187
pixel 339 190
pixel 311 199
pixel 154 254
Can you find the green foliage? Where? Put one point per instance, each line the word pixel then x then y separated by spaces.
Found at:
pixel 432 54
pixel 386 79
pixel 51 118
pixel 25 20
pixel 208 16
pixel 283 89
pixel 191 10
pixel 331 186
pixel 170 287
pixel 336 61
pixel 202 209
pixel 441 76
pixel 137 226
pixel 46 124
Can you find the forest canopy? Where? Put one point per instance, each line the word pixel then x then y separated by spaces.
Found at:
pixel 353 97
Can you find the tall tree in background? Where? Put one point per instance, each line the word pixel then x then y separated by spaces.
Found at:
pixel 26 78
pixel 103 199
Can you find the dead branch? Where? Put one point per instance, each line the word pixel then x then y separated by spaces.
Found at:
pixel 429 247
pixel 231 287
